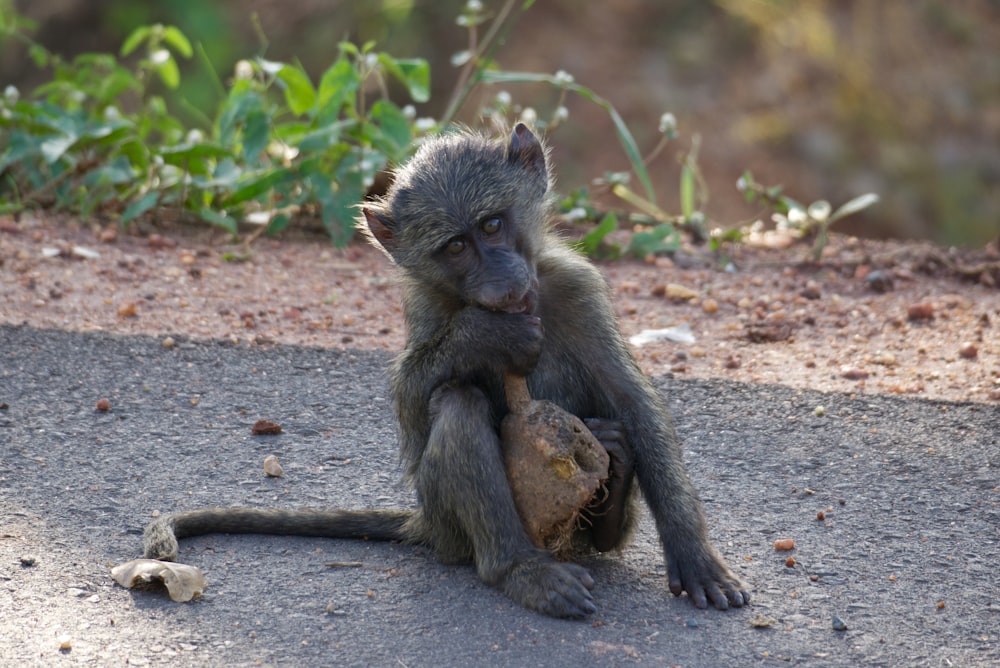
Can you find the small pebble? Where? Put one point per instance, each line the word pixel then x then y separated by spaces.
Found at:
pixel 839 624
pixel 922 311
pixel 168 342
pixel 969 351
pixel 28 562
pixel 272 467
pixel 692 623
pixel 879 281
pixel 853 373
pixel 103 405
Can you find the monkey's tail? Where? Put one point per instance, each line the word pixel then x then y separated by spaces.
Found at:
pixel 160 538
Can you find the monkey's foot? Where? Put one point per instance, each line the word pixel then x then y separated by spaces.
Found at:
pixel 705 577
pixel 554 588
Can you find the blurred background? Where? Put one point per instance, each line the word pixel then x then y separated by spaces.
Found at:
pixel 831 98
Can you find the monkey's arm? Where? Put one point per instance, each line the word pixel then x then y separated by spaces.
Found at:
pixel 693 565
pixel 621 392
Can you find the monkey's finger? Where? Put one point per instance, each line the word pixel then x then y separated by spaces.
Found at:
pixel 718 599
pixel 737 598
pixel 614 428
pixel 581 574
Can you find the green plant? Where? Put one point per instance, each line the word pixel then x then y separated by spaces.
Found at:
pixel 98 138
pixel 792 217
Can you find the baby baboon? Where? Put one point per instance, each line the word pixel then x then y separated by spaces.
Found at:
pixel 490 289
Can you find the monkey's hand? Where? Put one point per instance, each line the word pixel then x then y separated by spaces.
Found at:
pixel 702 573
pixel 608 513
pixel 500 341
pixel 554 588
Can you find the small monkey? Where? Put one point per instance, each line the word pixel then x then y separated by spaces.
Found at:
pixel 489 289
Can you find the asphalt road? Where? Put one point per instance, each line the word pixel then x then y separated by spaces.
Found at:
pixel 907 556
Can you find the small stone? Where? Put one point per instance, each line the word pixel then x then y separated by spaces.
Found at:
pixel 128 310
pixel 968 351
pixel 691 623
pixel 679 292
pixel 790 562
pixel 65 643
pixel 819 411
pixel 923 311
pixel 27 561
pixel 103 405
pixel 272 467
pixel 839 624
pixel 761 621
pixel 168 342
pixel 811 291
pixel 265 428
pixel 710 306
pixel 879 281
pixel 853 373
pixel 884 359
pixel 821 516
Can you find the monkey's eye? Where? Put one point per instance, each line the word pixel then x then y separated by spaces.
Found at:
pixel 455 246
pixel 491 225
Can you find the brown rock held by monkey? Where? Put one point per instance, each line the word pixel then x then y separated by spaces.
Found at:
pixel 554 463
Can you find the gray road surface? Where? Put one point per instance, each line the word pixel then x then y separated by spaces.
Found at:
pixel 908 561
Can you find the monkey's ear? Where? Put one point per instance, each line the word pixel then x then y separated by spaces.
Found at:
pixel 526 150
pixel 380 230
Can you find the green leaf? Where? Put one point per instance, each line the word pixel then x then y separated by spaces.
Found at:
pixel 299 92
pixel 135 38
pixel 394 127
pixel 180 153
pixel 662 238
pixel 326 136
pixel 338 201
pixel 414 73
pixel 278 224
pixel 140 206
pixel 855 205
pixel 591 242
pixel 256 135
pixel 54 148
pixel 169 73
pixel 258 184
pixel 336 87
pixel 220 220
pixel 175 38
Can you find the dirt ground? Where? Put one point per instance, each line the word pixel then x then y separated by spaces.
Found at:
pixel 872 317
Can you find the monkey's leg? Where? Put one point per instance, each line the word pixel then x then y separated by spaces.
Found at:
pixel 608 514
pixel 464 493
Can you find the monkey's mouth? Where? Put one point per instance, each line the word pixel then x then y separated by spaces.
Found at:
pixel 525 304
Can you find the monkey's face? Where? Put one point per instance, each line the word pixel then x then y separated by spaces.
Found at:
pixel 465 218
pixel 487 268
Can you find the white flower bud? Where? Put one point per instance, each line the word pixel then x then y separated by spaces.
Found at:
pixel 243 70
pixel 425 124
pixel 668 124
pixel 529 116
pixel 564 78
